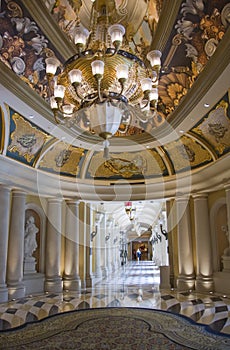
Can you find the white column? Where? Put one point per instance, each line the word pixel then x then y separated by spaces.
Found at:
pixel 72 280
pixel 88 248
pixel 103 249
pixel 16 287
pixel 186 278
pixel 204 280
pixel 97 239
pixel 53 281
pixel 4 233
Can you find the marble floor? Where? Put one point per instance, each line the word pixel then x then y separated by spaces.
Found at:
pixel 134 285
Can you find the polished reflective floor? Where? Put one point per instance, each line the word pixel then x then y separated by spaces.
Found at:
pixel 135 285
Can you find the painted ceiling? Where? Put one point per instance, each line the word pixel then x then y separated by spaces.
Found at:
pixel 198 30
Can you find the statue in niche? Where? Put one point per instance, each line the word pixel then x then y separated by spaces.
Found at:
pixel 30 242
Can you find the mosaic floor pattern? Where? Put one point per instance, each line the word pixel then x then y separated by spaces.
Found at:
pixel 136 285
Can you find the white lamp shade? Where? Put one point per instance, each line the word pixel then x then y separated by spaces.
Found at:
pixel 81 35
pixel 52 64
pixel 122 71
pixel 59 91
pixel 97 67
pixel 104 118
pixel 146 84
pixel 53 103
pixel 153 96
pixel 75 76
pixel 98 217
pixel 154 58
pixel 116 32
pixel 67 110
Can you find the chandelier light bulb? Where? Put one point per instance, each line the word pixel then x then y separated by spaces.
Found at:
pixel 67 110
pixel 81 36
pixel 153 96
pixel 154 58
pixel 122 72
pixel 53 103
pixel 97 68
pixel 75 76
pixel 116 32
pixel 52 64
pixel 146 84
pixel 59 92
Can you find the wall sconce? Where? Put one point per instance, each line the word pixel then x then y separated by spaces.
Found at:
pixel 93 234
pixel 107 237
pixel 164 232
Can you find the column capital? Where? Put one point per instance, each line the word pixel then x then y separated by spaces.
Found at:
pixel 5 188
pixel 198 196
pixel 57 200
pixel 18 193
pixel 227 187
pixel 72 202
pixel 182 198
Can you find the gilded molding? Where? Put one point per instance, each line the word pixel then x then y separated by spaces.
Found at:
pixel 2 143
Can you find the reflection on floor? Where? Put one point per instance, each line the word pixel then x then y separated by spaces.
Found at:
pixel 136 285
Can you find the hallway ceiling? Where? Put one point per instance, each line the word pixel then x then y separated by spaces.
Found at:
pixel 190 133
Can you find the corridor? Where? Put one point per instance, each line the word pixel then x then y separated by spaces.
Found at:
pixel 135 285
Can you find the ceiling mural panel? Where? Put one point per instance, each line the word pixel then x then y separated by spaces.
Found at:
pixel 215 127
pixel 23 46
pixel 188 154
pixel 199 28
pixel 127 165
pixel 25 140
pixel 62 159
pixel 130 13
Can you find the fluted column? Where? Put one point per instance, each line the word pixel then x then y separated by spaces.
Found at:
pixel 15 258
pixel 4 233
pixel 204 280
pixel 72 280
pixel 53 280
pixel 186 278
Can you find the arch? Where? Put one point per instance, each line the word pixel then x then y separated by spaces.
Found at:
pixel 42 216
pixel 214 239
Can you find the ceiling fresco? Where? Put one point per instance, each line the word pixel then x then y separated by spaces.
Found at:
pixel 198 29
pixel 207 141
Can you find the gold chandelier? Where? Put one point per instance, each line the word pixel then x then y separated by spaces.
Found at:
pixel 106 82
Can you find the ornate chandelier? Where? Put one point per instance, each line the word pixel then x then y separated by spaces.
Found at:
pixel 107 81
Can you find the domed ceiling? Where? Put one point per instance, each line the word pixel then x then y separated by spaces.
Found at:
pixel 191 128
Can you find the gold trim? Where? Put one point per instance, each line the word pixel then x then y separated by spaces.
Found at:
pixel 166 159
pixel 2 131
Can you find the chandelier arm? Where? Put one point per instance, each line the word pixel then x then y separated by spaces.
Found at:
pixel 138 113
pixel 146 105
pixel 55 114
pixel 122 83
